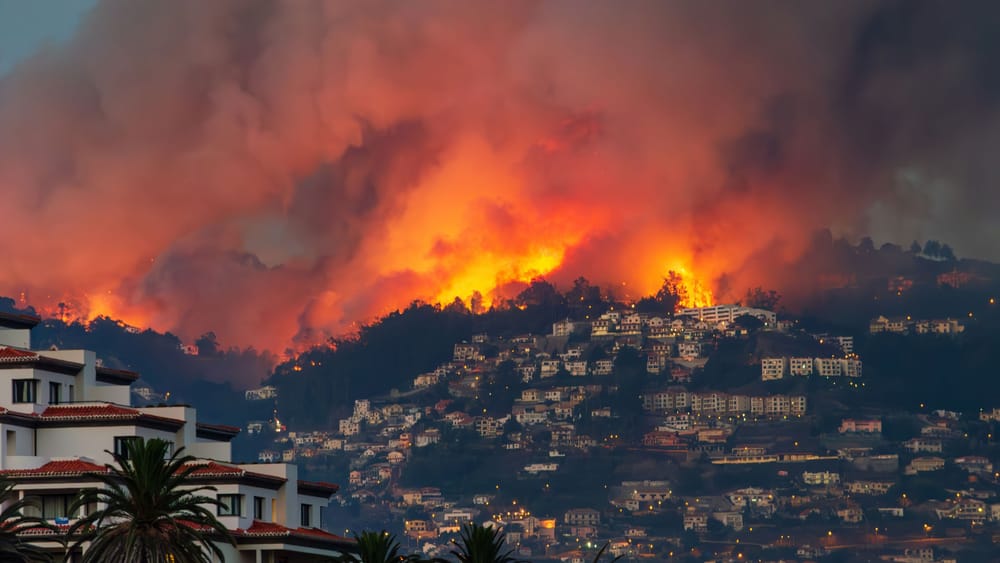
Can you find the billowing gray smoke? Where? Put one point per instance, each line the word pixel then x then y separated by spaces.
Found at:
pixel 277 171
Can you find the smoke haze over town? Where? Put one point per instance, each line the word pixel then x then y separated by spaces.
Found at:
pixel 279 171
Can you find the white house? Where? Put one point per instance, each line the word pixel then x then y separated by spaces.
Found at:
pixel 773 368
pixel 261 393
pixel 60 412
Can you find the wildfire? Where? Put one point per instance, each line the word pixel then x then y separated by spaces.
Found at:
pixel 491 271
pixel 91 307
pixel 694 292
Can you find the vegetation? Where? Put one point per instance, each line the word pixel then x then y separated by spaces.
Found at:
pixel 481 544
pixel 147 516
pixel 378 547
pixel 12 521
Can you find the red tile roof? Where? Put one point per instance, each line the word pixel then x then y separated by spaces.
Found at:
pixel 105 411
pixel 270 529
pixel 319 485
pixel 215 469
pixel 220 428
pixel 8 354
pixel 259 528
pixel 57 468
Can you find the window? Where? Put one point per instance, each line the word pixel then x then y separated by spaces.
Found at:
pixel 231 505
pixel 258 508
pixel 24 390
pixel 306 515
pixel 70 398
pixel 122 442
pixel 55 393
pixel 49 507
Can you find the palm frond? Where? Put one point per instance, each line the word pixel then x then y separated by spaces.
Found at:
pixel 150 513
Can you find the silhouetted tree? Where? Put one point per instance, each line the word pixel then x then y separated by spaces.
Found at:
pixel 672 293
pixel 932 248
pixel 208 344
pixel 759 298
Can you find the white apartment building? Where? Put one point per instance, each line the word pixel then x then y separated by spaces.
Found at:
pixel 260 394
pixel 800 366
pixel 773 368
pixel 60 411
pixel 563 328
pixel 728 314
pixel 828 367
pixel 820 478
pixel 850 368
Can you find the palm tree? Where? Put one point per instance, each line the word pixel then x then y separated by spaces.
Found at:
pixel 381 547
pixel 12 521
pixel 481 544
pixel 148 513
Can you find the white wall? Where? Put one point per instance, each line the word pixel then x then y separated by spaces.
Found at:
pixel 210 449
pixel 16 337
pixel 288 498
pixel 24 445
pixel 90 441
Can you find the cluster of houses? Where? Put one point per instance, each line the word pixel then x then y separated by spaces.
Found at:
pixel 777 368
pixel 843 479
pixel 908 325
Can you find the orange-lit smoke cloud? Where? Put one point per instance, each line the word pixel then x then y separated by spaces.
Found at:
pixel 277 171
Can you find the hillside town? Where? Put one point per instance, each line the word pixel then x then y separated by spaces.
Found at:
pixel 760 464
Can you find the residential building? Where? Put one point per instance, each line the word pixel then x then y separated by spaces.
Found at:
pixel 62 412
pixel 863 426
pixel 563 328
pixel 261 393
pixel 924 464
pixel 820 478
pixel 828 367
pixel 773 368
pixel 602 367
pixel 923 445
pixel 696 521
pixel 728 314
pixel 868 487
pixel 582 517
pixel 800 366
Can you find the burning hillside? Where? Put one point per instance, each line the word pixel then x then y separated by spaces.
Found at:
pixel 277 172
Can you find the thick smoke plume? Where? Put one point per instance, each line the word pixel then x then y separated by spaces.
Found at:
pixel 276 171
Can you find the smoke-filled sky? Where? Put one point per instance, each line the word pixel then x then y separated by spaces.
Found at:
pixel 276 171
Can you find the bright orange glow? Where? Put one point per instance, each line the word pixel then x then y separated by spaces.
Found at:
pixel 282 199
pixel 695 292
